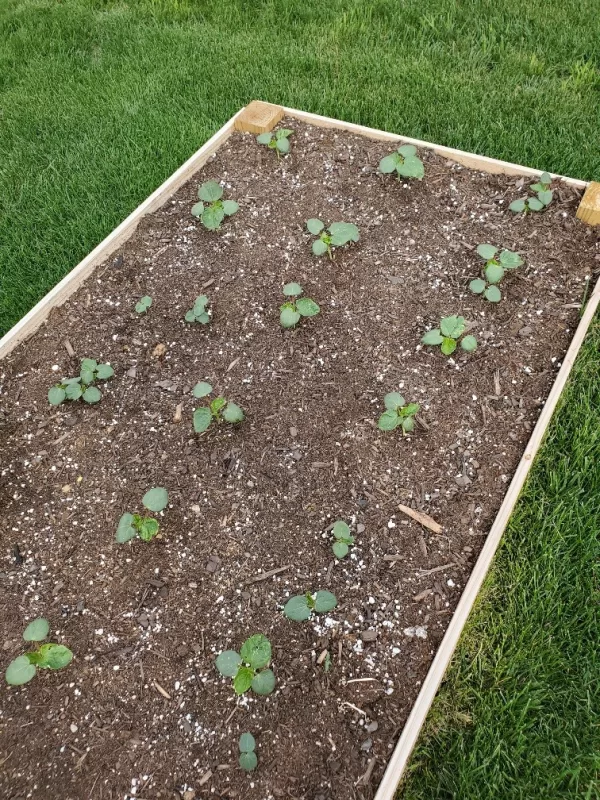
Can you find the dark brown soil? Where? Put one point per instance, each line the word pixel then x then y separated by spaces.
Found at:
pixel 147 620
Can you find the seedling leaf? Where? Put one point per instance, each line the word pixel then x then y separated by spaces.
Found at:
pixel 156 499
pixel 292 290
pixel 20 671
pixel 264 138
pixel 325 601
pixel 248 761
pixel 307 307
pixel 264 682
pixel 433 337
pixel 243 680
pixel 393 401
pixel 492 293
pixel 494 273
pixel 37 630
pixel 387 164
pixel 535 204
pixel 288 316
pixel 315 226
pixel 54 656
pixel 247 743
pixel 412 168
pixel 201 389
pixel 228 663
pixel 340 529
pixel 92 395
pixel 230 207
pixel 407 150
pixel 452 326
pixel 202 419
pixel 210 191
pixel 388 421
pixel 477 286
pixel 510 260
pixel 125 529
pixel 232 413
pixel 319 247
pixel 545 196
pixel 487 251
pixel 283 145
pixel 340 549
pixel 147 529
pixel 517 205
pixel 448 346
pixel 212 217
pixel 343 232
pixel 469 343
pixel 104 372
pixel 297 608
pixel 256 651
pixel 198 209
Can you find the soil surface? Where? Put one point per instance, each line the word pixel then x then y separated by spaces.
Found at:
pixel 141 711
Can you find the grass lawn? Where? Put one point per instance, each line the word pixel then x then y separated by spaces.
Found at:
pixel 100 101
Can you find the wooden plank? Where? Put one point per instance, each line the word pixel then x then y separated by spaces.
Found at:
pixel 71 282
pixel 258 117
pixel 400 757
pixel 471 160
pixel 589 208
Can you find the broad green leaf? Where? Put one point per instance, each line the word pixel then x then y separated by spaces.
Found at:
pixel 36 630
pixel 292 290
pixel 343 232
pixel 288 316
pixel 73 391
pixel 535 204
pixel 87 376
pixel 210 191
pixel 341 529
pixel 432 337
pixel 89 363
pixel 412 168
pixel 494 273
pixel 143 305
pixel 198 209
pixel 283 145
pixel 340 549
pixel 217 404
pixel 388 164
pixel 469 343
pixel 264 682
pixel 228 662
pixel 393 401
pixel 477 286
pixel 452 326
pixel 256 651
pixel 125 529
pixel 307 307
pixel 54 656
pixel 487 251
pixel 546 178
pixel 492 293
pixel 537 187
pixel 325 601
pixel 510 260
pixel 201 389
pixel 230 207
pixel 283 133
pixel 264 138
pixel 243 680
pixel 517 205
pixel 20 671
pixel 92 395
pixel 156 499
pixel 388 421
pixel 407 150
pixel 232 413
pixel 319 247
pixel 448 346
pixel 408 424
pixel 212 217
pixel 203 318
pixel 148 528
pixel 69 381
pixel 200 304
pixel 545 196
pixel 410 410
pixel 247 743
pixel 248 761
pixel 315 226
pixel 190 316
pixel 104 372
pixel 297 608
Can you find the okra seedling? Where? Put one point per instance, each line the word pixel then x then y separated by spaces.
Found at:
pixel 398 414
pixel 248 760
pixel 131 525
pixel 249 667
pixel 494 270
pixel 543 196
pixel 302 606
pixel 337 235
pixel 276 140
pixel 214 212
pixel 404 161
pixel 47 656
pixel 343 538
pixel 144 304
pixel 448 334
pixel 294 309
pixel 82 386
pixel 219 410
pixel 200 311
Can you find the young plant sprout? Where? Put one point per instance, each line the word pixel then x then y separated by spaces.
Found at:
pixel 214 212
pixel 543 196
pixel 248 668
pixel 294 309
pixel 302 606
pixel 131 525
pixel 337 235
pixel 47 656
pixel 82 386
pixel 495 267
pixel 404 161
pixel 398 414
pixel 219 410
pixel 343 538
pixel 248 760
pixel 276 140
pixel 144 304
pixel 448 334
pixel 199 312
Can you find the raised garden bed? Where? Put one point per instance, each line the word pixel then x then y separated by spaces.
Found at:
pixel 142 710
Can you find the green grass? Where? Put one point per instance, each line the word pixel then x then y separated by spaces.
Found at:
pixel 101 101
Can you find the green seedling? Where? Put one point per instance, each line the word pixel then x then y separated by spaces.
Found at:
pixel 47 656
pixel 214 212
pixel 404 161
pixel 543 196
pixel 337 235
pixel 448 334
pixel 199 312
pixel 277 140
pixel 303 606
pixel 131 525
pixel 398 414
pixel 249 667
pixel 248 760
pixel 343 538
pixel 144 304
pixel 494 271
pixel 219 410
pixel 296 307
pixel 82 386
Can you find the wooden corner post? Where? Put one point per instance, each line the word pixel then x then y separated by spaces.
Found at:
pixel 258 117
pixel 589 208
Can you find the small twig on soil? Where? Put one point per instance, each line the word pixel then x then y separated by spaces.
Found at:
pixel 361 680
pixel 235 708
pixel 177 414
pixel 353 707
pixel 206 777
pixel 436 569
pixel 420 517
pixel 364 779
pixel 160 689
pixel 69 348
pixel 264 575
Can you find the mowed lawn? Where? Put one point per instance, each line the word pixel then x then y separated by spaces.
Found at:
pixel 101 101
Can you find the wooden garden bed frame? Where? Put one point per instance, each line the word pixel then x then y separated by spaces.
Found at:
pixel 259 117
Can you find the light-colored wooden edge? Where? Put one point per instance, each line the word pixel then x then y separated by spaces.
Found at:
pixel 258 117
pixel 589 208
pixel 414 723
pixel 71 282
